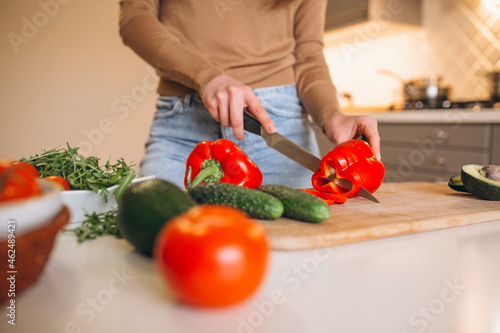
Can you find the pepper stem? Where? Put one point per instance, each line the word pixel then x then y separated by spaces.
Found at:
pixel 210 172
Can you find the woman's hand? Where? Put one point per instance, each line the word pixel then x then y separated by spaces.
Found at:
pixel 340 128
pixel 225 98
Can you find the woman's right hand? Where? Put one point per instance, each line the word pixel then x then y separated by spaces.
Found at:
pixel 340 128
pixel 225 98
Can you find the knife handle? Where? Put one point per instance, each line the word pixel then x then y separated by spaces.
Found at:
pixel 250 123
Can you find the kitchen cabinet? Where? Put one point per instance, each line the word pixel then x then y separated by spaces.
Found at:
pixel 433 152
pixel 341 13
pixel 344 12
pixel 495 151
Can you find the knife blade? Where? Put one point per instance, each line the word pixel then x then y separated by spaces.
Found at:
pixel 295 152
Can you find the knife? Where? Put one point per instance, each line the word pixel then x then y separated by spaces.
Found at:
pixel 295 152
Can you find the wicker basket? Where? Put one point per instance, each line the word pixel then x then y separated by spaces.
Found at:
pixel 32 251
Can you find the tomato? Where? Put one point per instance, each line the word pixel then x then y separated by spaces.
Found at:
pixel 60 181
pixel 212 255
pixel 28 168
pixel 25 167
pixel 17 181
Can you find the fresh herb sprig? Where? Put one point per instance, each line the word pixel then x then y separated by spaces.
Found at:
pixel 97 225
pixel 83 173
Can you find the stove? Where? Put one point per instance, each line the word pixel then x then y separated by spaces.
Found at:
pixel 447 104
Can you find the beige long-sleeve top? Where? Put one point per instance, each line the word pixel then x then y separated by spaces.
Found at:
pixel 189 42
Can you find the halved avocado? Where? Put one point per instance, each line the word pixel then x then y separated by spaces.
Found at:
pixel 455 183
pixel 474 177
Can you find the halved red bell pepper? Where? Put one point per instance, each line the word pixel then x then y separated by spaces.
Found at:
pixel 221 160
pixel 352 160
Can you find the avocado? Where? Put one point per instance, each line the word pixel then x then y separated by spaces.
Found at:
pixel 477 179
pixel 455 183
pixel 145 207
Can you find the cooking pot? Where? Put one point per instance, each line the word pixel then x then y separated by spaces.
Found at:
pixel 426 89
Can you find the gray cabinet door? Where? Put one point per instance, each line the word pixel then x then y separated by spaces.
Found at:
pixel 434 152
pixel 495 146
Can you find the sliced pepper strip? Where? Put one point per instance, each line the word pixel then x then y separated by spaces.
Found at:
pixel 352 160
pixel 329 198
pixel 221 160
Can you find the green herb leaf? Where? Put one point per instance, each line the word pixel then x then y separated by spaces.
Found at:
pixel 83 173
pixel 97 225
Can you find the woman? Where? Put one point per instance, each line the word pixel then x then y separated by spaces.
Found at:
pixel 215 57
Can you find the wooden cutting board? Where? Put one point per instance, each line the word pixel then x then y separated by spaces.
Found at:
pixel 404 208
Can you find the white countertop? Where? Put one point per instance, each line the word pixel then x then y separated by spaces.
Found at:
pixel 452 116
pixel 441 281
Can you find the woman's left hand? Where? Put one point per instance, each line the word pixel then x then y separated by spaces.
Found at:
pixel 341 127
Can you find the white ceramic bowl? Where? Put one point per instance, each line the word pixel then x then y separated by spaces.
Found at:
pixel 31 212
pixel 81 202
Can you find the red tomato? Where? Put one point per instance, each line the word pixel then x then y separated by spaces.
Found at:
pixel 20 166
pixel 28 168
pixel 60 181
pixel 212 255
pixel 17 181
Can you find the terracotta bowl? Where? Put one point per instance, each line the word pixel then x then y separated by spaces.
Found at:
pixel 27 239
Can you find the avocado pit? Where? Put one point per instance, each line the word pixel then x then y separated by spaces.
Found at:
pixel 491 172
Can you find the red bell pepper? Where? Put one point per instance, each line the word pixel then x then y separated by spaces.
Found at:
pixel 328 198
pixel 352 160
pixel 223 161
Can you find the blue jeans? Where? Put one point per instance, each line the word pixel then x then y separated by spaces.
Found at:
pixel 181 122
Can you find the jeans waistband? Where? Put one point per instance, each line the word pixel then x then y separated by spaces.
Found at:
pixel 276 89
pixel 189 99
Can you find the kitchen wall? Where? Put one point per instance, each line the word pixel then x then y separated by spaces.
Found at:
pixel 458 39
pixel 67 77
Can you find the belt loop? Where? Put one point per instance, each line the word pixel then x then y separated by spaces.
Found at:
pixel 187 99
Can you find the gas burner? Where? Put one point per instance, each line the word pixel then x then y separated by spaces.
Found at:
pixel 446 104
pixel 427 104
pixel 472 105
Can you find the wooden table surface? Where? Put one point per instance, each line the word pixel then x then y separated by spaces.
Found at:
pixel 404 208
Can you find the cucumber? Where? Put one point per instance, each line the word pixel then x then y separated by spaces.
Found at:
pixel 254 203
pixel 298 204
